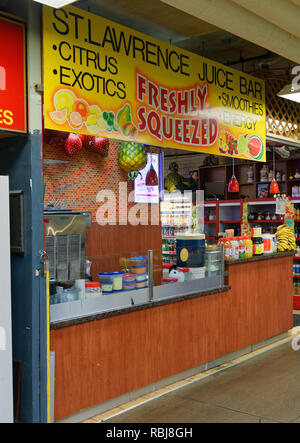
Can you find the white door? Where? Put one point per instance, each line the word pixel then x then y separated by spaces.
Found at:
pixel 6 363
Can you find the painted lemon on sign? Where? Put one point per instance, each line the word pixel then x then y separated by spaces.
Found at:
pixel 64 99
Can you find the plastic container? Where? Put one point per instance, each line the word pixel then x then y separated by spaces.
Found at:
pixel 128 278
pixel 235 248
pixel 141 277
pixel 92 289
pixel 227 249
pixel 107 286
pixel 249 247
pixel 138 261
pixel 197 273
pixel 128 286
pixel 268 243
pixel 242 247
pixel 141 284
pixel 128 282
pixel 117 279
pixel 190 250
pixel 138 269
pixel 105 276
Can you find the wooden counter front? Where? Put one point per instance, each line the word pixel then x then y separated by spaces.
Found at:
pixel 103 359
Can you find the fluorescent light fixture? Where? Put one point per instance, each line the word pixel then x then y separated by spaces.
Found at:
pixel 55 3
pixel 290 93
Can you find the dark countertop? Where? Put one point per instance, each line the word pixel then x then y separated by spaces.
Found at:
pixel 261 257
pixel 115 312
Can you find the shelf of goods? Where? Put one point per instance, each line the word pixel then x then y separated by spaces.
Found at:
pixel 254 178
pixel 229 216
pixel 176 217
pixel 296 259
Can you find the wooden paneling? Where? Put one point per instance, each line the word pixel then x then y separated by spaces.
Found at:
pixel 100 360
pixel 106 245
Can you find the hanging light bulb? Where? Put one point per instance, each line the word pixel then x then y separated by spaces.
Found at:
pixel 233 185
pixel 274 188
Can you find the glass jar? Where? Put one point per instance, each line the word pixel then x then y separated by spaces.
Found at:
pixel 258 246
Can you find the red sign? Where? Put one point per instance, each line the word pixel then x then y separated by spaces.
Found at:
pixel 13 106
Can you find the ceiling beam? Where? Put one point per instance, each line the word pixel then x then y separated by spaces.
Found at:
pixel 281 13
pixel 227 15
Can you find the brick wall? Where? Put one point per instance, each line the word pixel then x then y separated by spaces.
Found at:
pixel 78 181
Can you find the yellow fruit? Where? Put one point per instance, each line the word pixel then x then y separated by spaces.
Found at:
pixel 95 110
pixel 64 99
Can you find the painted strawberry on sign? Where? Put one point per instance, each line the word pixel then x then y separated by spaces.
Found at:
pixel 73 144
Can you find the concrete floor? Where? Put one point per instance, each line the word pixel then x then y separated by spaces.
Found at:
pixel 264 389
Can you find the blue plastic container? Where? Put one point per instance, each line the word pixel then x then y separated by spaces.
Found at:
pixel 190 250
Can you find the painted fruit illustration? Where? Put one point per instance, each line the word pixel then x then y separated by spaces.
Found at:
pixel 59 117
pixel 242 144
pixel 124 116
pixel 232 143
pixel 92 124
pixel 256 147
pixel 132 156
pixel 109 118
pixel 129 130
pixel 64 99
pixel 75 119
pixel 95 110
pixel 223 148
pixel 82 108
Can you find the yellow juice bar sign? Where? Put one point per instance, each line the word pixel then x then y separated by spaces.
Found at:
pixel 104 79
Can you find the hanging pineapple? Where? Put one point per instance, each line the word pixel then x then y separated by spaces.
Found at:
pixel 132 157
pixel 175 181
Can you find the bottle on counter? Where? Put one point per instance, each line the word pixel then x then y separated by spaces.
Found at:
pixel 264 173
pixel 258 246
pixel 270 175
pixel 242 247
pixel 274 239
pixel 249 247
pixel 227 249
pixel 268 243
pixel 235 248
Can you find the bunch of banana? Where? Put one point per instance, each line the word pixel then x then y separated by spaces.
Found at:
pixel 286 240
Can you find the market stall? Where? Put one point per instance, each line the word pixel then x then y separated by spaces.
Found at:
pixel 121 312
